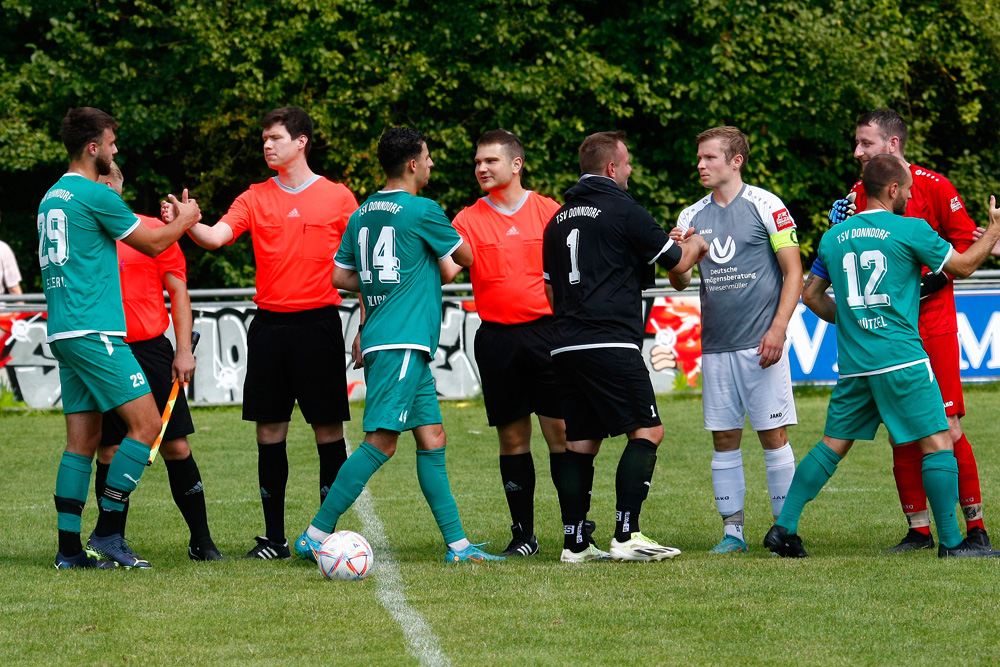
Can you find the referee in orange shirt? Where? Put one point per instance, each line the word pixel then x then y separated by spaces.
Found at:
pixel 295 344
pixel 513 343
pixel 143 280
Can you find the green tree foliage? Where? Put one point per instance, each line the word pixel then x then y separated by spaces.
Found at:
pixel 189 80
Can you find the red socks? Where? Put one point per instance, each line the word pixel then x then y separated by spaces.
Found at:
pixel 969 496
pixel 906 462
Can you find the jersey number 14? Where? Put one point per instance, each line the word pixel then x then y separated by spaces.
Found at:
pixel 383 256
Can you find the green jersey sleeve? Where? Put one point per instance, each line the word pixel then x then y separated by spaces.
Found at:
pixel 438 232
pixel 929 247
pixel 346 257
pixel 114 214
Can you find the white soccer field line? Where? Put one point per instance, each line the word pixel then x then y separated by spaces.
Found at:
pixel 421 641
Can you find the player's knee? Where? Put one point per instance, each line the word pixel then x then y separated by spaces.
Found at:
pixel 175 450
pixel 955 429
pixel 105 453
pixel 652 433
pixel 146 431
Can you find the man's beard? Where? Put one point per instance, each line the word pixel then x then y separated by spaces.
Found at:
pixel 899 206
pixel 103 164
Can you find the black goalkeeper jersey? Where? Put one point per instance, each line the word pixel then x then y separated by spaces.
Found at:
pixel 598 253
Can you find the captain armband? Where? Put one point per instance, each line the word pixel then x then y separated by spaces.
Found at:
pixel 784 239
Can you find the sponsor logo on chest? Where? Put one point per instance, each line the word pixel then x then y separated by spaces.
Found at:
pixel 722 252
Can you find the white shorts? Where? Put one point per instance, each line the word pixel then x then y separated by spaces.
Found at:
pixel 734 386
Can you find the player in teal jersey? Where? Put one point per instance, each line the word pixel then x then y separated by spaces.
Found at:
pixel 78 224
pixel 885 376
pixel 397 251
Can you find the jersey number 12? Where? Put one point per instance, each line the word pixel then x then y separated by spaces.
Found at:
pixel 870 259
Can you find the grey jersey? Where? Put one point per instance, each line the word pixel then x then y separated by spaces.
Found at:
pixel 740 277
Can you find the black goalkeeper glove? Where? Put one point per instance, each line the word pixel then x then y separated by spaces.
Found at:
pixel 930 283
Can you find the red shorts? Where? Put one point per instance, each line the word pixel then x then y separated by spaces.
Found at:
pixel 943 352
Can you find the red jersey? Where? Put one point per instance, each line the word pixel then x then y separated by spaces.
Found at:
pixel 935 199
pixel 295 235
pixel 506 274
pixel 142 279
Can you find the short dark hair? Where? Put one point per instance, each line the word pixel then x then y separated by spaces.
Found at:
pixel 507 140
pixel 733 141
pixel 882 171
pixel 84 125
pixel 598 149
pixel 296 121
pixel 398 146
pixel 889 123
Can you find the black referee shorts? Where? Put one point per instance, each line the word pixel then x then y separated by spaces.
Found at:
pixel 607 392
pixel 516 371
pixel 156 358
pixel 292 357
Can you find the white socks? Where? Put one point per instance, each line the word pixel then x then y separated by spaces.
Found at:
pixel 780 466
pixel 461 545
pixel 730 490
pixel 314 533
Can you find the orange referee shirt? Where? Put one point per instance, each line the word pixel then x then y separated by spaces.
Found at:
pixel 507 272
pixel 142 286
pixel 295 235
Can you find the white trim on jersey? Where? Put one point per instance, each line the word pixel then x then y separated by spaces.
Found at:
pixel 396 346
pixel 65 335
pixel 890 369
pixel 593 346
pixel 767 204
pixel 349 267
pixel 452 251
pixel 130 229
pixel 684 219
pixel 951 251
pixel 512 211
pixel 665 248
pixel 295 191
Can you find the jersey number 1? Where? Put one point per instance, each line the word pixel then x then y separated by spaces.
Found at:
pixel 383 256
pixel 573 242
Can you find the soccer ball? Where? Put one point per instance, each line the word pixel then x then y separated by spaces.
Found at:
pixel 345 555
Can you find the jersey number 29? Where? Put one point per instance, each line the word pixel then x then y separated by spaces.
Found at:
pixel 52 233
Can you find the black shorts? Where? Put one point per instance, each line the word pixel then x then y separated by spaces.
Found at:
pixel 296 356
pixel 516 371
pixel 607 392
pixel 156 358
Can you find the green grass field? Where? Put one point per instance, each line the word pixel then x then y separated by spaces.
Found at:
pixel 848 604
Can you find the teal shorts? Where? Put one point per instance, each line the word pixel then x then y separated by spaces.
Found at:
pixel 400 394
pixel 907 401
pixel 97 372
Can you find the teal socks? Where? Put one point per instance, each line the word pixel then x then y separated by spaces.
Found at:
pixel 350 482
pixel 433 478
pixel 812 473
pixel 72 485
pixel 940 473
pixel 124 473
